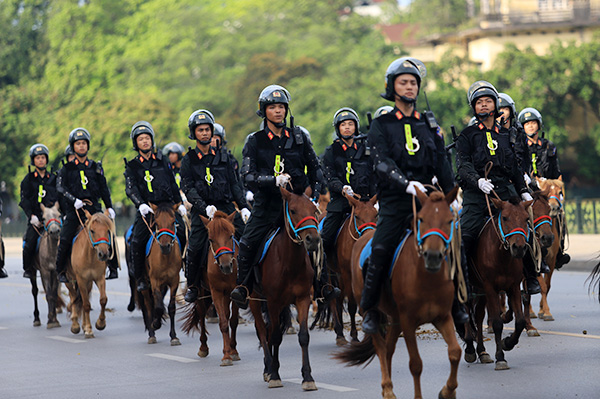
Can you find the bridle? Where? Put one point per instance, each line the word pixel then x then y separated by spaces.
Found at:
pixel 224 250
pixel 295 229
pixel 360 230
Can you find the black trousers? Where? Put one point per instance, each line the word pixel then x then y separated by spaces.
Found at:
pixel 331 225
pixel 30 239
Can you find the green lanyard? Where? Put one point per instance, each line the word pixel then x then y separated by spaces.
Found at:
pixel 84 179
pixel 41 193
pixel 209 179
pixel 149 179
pixel 409 139
pixel 534 163
pixel 278 165
pixel 178 179
pixel 349 171
pixel 490 143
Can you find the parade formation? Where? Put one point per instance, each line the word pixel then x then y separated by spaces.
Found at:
pixel 407 236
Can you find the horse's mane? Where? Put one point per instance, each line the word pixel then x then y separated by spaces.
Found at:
pixel 165 207
pixel 101 218
pixel 437 196
pixel 514 200
pixel 220 222
pixel 539 195
pixel 557 182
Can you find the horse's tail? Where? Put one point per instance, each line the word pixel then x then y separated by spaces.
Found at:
pixel 191 317
pixel 285 319
pixel 323 318
pixel 594 280
pixel 357 353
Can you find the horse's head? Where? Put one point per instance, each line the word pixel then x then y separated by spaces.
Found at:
pixel 52 220
pixel 555 193
pixel 512 224
pixel 221 237
pixel 100 230
pixel 364 215
pixel 164 223
pixel 434 227
pixel 301 223
pixel 542 222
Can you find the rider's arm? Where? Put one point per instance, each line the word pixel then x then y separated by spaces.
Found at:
pixel 104 190
pixel 26 195
pixel 131 189
pixel 466 169
pixel 188 185
pixel 61 186
pixel 384 166
pixel 333 181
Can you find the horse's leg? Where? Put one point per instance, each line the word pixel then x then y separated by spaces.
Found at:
pixel 515 297
pixel 74 306
pixel 233 324
pixel 338 321
pixel 391 338
pixel 415 362
pixel 222 308
pixel 204 305
pixel 50 282
pixel 527 314
pixel 85 288
pixel 261 333
pixel 275 338
pixel 493 308
pixel 480 308
pixel 544 308
pixel 352 311
pixel 36 310
pixel 146 305
pixel 101 322
pixel 303 305
pixel 172 310
pixel 159 305
pixel 446 328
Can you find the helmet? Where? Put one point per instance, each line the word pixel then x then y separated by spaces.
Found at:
pixel 506 101
pixel 273 94
pixel 38 149
pixel 220 131
pixel 345 114
pixel 479 89
pixel 200 117
pixel 141 127
pixel 531 114
pixel 173 147
pixel 79 134
pixel 473 121
pixel 401 66
pixel 386 109
pixel 69 151
pixel 306 133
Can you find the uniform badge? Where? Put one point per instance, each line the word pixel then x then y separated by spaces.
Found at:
pixel 416 146
pixel 276 94
pixel 492 145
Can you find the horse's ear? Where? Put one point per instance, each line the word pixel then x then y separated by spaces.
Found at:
pixel 560 178
pixel 451 196
pixel 231 216
pixel 422 196
pixel 42 207
pixel 308 192
pixel 285 193
pixel 56 206
pixel 527 204
pixel 205 220
pixel 176 207
pixel 499 204
pixel 373 200
pixel 545 192
pixel 87 214
pixel 154 207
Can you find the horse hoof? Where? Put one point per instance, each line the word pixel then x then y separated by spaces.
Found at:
pixel 54 324
pixel 451 396
pixel 309 386
pixel 100 325
pixel 540 314
pixel 341 341
pixel 484 358
pixel 89 335
pixel 489 330
pixel 202 353
pixel 156 325
pixel 470 357
pixel 75 329
pixel 131 307
pixel 276 384
pixel 37 323
pixel 151 340
pixel 235 357
pixel 502 365
pixel 532 315
pixel 212 320
pixel 291 330
pixel 505 345
pixel 548 318
pixel 175 342
pixel 266 377
pixel 226 362
pixel 533 333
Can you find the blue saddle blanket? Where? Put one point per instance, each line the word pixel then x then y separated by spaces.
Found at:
pixel 128 234
pixel 366 252
pixel 267 245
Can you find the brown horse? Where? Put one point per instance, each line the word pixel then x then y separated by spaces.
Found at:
pixel 287 278
pixel 420 291
pixel 163 264
pixel 93 246
pixel 221 275
pixel 45 262
pixel 497 266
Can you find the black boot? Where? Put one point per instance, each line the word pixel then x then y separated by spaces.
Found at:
pixel 562 259
pixel 28 269
pixel 371 293
pixel 459 313
pixel 3 273
pixel 531 281
pixel 544 268
pixel 193 281
pixel 61 263
pixel 113 268
pixel 240 294
pixel 139 268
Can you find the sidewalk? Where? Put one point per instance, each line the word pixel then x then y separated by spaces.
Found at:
pixel 583 248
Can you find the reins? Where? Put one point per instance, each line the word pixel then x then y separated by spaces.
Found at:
pixel 360 230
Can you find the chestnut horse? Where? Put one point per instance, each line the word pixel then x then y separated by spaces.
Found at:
pixel 45 262
pixel 163 264
pixel 420 290
pixel 93 246
pixel 220 274
pixel 497 266
pixel 287 278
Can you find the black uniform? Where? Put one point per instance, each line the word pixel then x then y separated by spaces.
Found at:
pixel 35 190
pixel 543 158
pixel 209 179
pixel 84 181
pixel 345 165
pixel 518 139
pixel 395 166
pixel 150 181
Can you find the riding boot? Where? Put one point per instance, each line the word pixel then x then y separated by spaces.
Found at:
pixel 244 279
pixel 371 290
pixel 3 273
pixel 62 255
pixel 113 268
pixel 192 277
pixel 139 268
pixel 531 281
pixel 28 269
pixel 459 313
pixel 324 287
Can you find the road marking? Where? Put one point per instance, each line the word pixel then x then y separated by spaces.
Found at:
pixel 65 339
pixel 3 328
pixel 558 333
pixel 174 358
pixel 335 388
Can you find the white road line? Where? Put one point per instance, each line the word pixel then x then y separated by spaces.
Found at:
pixel 3 328
pixel 65 339
pixel 565 334
pixel 322 385
pixel 174 358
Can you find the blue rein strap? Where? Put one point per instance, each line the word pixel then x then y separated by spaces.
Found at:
pixel 226 250
pixel 517 230
pixel 102 240
pixel 297 229
pixel 434 232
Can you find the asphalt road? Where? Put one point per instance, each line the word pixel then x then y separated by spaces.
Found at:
pixel 36 362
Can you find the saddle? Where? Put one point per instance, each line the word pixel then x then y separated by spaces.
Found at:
pixel 366 253
pixel 261 254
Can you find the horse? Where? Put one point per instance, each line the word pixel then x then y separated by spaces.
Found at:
pixel 420 290
pixel 45 262
pixel 287 278
pixel 220 275
pixel 495 267
pixel 163 264
pixel 594 280
pixel 133 294
pixel 92 247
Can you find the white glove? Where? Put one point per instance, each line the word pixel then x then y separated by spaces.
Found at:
pixel 145 209
pixel 455 205
pixel 35 221
pixel 245 214
pixel 78 203
pixel 182 210
pixel 282 180
pixel 526 197
pixel 111 213
pixel 183 197
pixel 413 185
pixel 434 180
pixel 485 185
pixel 348 190
pixel 527 178
pixel 210 211
pixel 249 196
pixel 376 206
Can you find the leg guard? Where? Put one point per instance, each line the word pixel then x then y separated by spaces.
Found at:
pixel 533 285
pixel 245 280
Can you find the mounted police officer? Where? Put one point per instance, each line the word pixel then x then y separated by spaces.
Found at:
pixel 81 183
pixel 174 154
pixel 69 154
pixel 210 183
pixel 38 187
pixel 543 159
pixel 480 143
pixel 508 120
pixel 149 180
pixel 273 157
pixel 407 150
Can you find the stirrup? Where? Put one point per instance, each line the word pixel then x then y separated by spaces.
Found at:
pixel 191 295
pixel 370 322
pixel 240 299
pixel 334 292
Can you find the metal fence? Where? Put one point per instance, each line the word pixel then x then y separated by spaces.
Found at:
pixel 583 215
